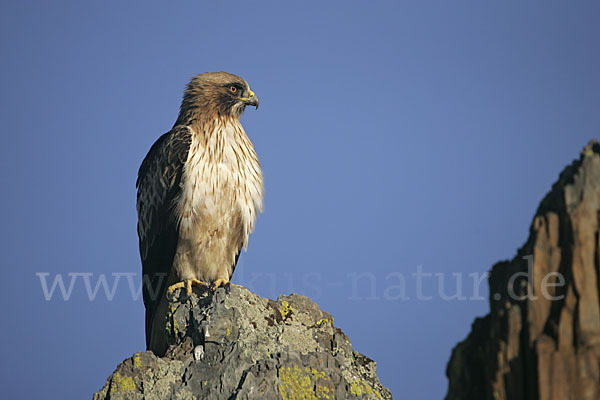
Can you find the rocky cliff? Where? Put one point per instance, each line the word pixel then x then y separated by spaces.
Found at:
pixel 233 344
pixel 541 339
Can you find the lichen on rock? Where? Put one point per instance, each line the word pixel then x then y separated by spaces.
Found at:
pixel 233 344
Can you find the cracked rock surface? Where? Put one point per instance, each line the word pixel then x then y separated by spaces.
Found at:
pixel 233 344
pixel 542 341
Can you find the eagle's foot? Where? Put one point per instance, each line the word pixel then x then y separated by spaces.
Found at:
pixel 187 284
pixel 218 283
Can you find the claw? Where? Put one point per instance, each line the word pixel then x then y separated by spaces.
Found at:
pixel 218 283
pixel 187 284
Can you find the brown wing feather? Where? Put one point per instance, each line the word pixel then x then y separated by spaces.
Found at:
pixel 158 185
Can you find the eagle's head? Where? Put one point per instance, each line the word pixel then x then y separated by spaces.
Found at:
pixel 215 95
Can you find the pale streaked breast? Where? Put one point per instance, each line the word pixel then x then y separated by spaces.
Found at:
pixel 221 189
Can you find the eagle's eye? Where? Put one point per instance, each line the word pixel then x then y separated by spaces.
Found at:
pixel 233 89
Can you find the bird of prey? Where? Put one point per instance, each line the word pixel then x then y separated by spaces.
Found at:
pixel 199 192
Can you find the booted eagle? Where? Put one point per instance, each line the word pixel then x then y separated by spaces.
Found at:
pixel 199 191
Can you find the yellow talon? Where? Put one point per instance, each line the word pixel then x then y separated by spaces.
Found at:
pixel 187 284
pixel 219 282
pixel 175 286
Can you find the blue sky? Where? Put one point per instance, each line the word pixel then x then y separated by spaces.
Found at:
pixel 394 137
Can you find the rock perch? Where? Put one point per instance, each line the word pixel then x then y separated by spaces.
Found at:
pixel 234 344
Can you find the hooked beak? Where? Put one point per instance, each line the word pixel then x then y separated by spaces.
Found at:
pixel 251 100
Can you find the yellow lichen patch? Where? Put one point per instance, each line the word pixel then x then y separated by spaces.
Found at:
pixel 121 383
pixel 324 321
pixel 360 387
pixel 316 374
pixel 174 323
pixel 228 332
pixel 324 392
pixel 307 384
pixel 136 360
pixel 285 309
